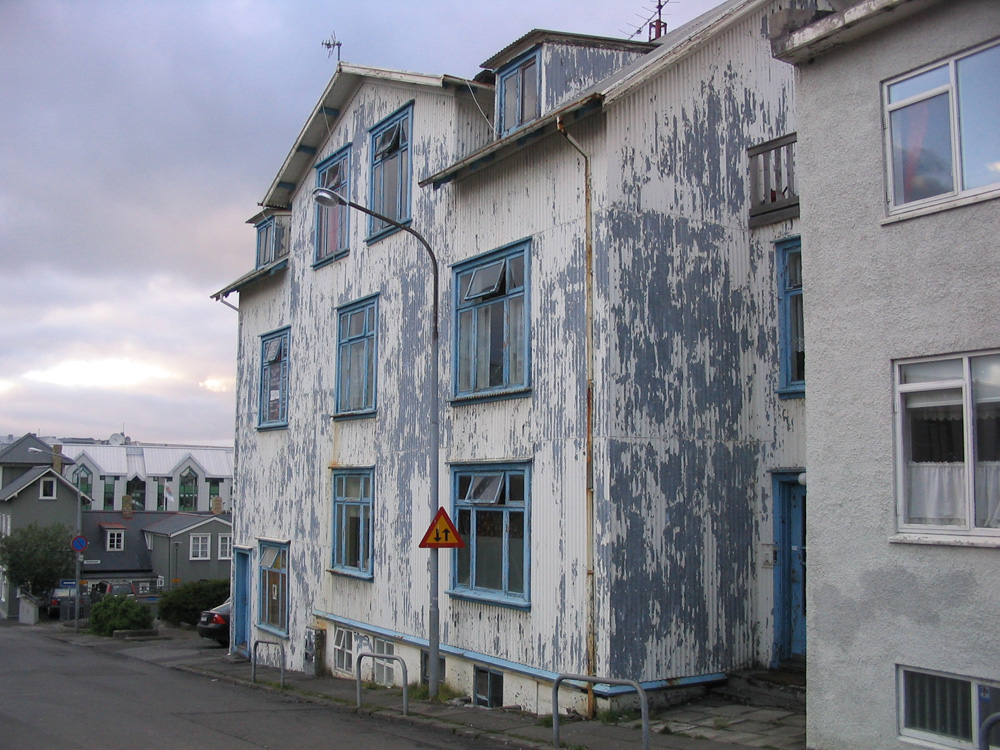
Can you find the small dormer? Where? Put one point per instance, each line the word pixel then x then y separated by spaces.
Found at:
pixel 272 236
pixel 543 70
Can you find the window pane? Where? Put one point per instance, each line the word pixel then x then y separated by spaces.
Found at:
pixel 940 705
pixel 793 270
pixel 515 273
pixel 986 391
pixel 529 98
pixel 485 280
pixel 516 341
pixel 979 114
pixel 356 323
pixel 466 350
pixel 934 446
pixel 930 372
pixel 510 102
pixel 352 535
pixel 390 187
pixel 797 342
pixel 352 486
pixel 464 553
pixel 485 489
pixel 919 84
pixel 921 150
pixel 489 549
pixel 364 561
pixel 515 576
pixel 515 488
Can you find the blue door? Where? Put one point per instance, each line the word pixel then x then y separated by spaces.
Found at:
pixel 241 602
pixel 789 569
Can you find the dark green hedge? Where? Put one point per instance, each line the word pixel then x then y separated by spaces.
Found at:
pixel 119 613
pixel 186 602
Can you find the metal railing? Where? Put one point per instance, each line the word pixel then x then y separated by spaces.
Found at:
pixel 253 659
pixel 643 701
pixel 391 657
pixel 984 731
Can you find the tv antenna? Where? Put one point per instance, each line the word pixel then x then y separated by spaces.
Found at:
pixel 332 44
pixel 653 22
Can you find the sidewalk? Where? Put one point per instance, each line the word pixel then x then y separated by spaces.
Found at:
pixel 706 724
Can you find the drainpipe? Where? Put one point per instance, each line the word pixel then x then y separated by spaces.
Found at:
pixel 589 305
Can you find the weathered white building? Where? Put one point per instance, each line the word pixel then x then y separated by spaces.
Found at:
pixel 899 153
pixel 621 386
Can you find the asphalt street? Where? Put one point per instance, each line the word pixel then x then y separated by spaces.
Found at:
pixel 58 695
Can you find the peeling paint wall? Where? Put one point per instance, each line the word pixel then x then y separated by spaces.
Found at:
pixel 569 69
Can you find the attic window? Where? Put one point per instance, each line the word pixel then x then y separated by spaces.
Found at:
pixel 518 92
pixel 48 490
pixel 115 540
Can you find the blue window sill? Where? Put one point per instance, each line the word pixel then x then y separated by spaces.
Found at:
pixel 272 426
pixel 490 597
pixel 273 630
pixel 331 258
pixel 792 391
pixel 355 573
pixel 345 415
pixel 475 398
pixel 386 232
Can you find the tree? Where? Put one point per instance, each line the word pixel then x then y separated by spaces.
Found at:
pixel 35 557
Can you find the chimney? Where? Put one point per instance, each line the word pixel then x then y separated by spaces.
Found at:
pixel 57 461
pixel 126 506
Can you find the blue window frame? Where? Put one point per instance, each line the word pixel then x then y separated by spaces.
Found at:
pixel 389 185
pixel 357 326
pixel 332 222
pixel 791 334
pixel 491 338
pixel 274 380
pixel 272 239
pixel 273 610
pixel 352 522
pixel 517 89
pixel 491 505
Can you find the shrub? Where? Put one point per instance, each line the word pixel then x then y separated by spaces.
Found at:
pixel 119 613
pixel 186 602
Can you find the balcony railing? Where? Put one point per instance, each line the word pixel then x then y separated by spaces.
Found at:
pixel 773 192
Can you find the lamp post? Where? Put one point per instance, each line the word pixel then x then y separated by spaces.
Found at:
pixel 329 198
pixel 78 556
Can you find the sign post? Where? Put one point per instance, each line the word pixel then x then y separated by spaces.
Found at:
pixel 441 534
pixel 79 544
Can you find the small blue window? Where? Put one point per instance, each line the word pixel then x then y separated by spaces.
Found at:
pixel 356 343
pixel 518 93
pixel 492 331
pixel 274 380
pixel 332 222
pixel 491 509
pixel 390 172
pixel 352 522
pixel 272 237
pixel 791 334
pixel 273 612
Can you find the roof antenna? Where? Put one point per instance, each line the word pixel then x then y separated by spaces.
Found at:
pixel 332 44
pixel 657 27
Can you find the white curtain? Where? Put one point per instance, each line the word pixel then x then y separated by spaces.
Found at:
pixel 937 494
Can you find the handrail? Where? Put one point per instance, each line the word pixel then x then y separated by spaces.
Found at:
pixel 984 731
pixel 253 659
pixel 643 702
pixel 406 684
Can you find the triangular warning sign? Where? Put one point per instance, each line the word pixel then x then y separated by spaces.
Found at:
pixel 442 533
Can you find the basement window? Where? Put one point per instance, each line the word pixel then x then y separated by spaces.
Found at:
pixel 488 688
pixel 946 709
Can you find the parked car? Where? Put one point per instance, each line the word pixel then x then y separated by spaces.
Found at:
pixel 55 598
pixel 113 588
pixel 214 623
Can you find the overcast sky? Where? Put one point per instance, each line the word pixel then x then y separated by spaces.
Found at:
pixel 137 137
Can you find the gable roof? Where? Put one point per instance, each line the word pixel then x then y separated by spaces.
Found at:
pixel 544 36
pixel 145 461
pixel 30 477
pixel 179 523
pixel 134 558
pixel 18 453
pixel 669 49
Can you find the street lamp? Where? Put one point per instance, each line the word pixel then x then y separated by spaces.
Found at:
pixel 79 529
pixel 329 198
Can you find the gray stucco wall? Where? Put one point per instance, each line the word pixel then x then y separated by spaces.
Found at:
pixel 877 291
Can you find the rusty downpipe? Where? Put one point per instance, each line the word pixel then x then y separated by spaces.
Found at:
pixel 589 305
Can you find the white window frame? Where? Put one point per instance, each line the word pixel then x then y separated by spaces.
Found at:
pixel 114 540
pixel 975 699
pixel 225 546
pixel 958 192
pixel 47 489
pixel 343 649
pixel 200 546
pixel 965 383
pixel 385 672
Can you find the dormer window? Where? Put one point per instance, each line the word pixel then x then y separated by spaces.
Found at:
pixel 272 238
pixel 518 91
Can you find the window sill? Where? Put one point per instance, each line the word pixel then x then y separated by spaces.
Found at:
pixel 382 234
pixel 496 599
pixel 272 426
pixel 902 214
pixel 347 415
pixel 946 540
pixel 359 575
pixel 273 630
pixel 475 398
pixel 330 259
pixel 792 391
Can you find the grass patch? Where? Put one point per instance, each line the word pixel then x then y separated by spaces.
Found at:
pixel 420 692
pixel 617 716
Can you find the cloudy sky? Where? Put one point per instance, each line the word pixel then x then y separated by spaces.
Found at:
pixel 137 137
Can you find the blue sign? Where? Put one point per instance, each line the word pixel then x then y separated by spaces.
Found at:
pixel 67 583
pixel 79 543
